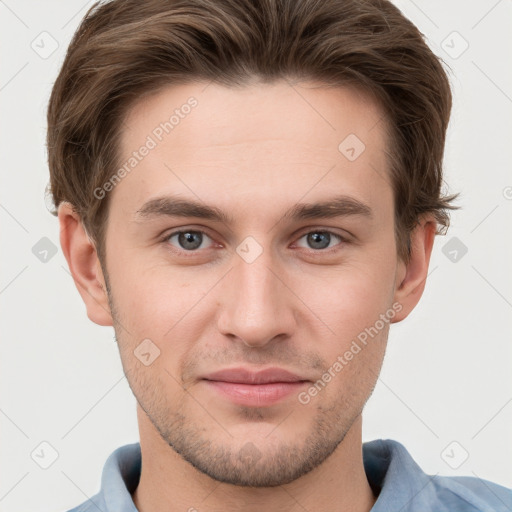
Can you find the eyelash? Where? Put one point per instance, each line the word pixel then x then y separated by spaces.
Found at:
pixel 192 253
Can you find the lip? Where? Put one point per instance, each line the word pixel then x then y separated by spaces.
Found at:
pixel 245 376
pixel 257 389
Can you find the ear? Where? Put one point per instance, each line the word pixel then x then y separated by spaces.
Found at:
pixel 411 276
pixel 84 265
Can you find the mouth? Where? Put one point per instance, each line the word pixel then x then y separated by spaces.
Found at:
pixel 256 389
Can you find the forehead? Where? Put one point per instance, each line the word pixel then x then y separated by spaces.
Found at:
pixel 259 110
pixel 275 139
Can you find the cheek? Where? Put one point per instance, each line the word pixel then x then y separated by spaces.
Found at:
pixel 157 299
pixel 355 355
pixel 350 298
pixel 162 303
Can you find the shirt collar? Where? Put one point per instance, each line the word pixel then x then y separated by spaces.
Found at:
pixel 120 478
pixel 391 472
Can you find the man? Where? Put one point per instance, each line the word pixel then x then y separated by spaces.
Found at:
pixel 249 192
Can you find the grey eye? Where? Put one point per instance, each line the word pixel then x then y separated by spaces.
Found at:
pixel 188 240
pixel 320 239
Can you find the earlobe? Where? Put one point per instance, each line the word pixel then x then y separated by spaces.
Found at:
pixel 412 276
pixel 84 266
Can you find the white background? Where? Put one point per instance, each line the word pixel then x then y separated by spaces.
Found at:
pixel 446 376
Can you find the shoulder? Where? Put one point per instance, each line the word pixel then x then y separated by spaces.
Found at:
pixel 119 479
pixel 400 483
pixel 94 504
pixel 468 494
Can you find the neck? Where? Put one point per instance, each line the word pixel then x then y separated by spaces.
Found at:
pixel 169 483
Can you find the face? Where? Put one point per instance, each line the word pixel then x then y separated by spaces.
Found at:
pixel 289 261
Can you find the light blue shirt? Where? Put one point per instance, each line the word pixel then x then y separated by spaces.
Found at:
pixel 400 483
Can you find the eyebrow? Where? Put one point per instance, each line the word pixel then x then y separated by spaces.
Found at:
pixel 174 206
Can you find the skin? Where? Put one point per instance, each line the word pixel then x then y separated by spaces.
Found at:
pixel 253 152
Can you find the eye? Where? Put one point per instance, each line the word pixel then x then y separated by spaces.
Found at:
pixel 192 240
pixel 321 240
pixel 187 240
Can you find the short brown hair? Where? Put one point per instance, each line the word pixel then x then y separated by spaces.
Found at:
pixel 126 48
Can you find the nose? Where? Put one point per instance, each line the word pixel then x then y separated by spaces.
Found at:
pixel 257 303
